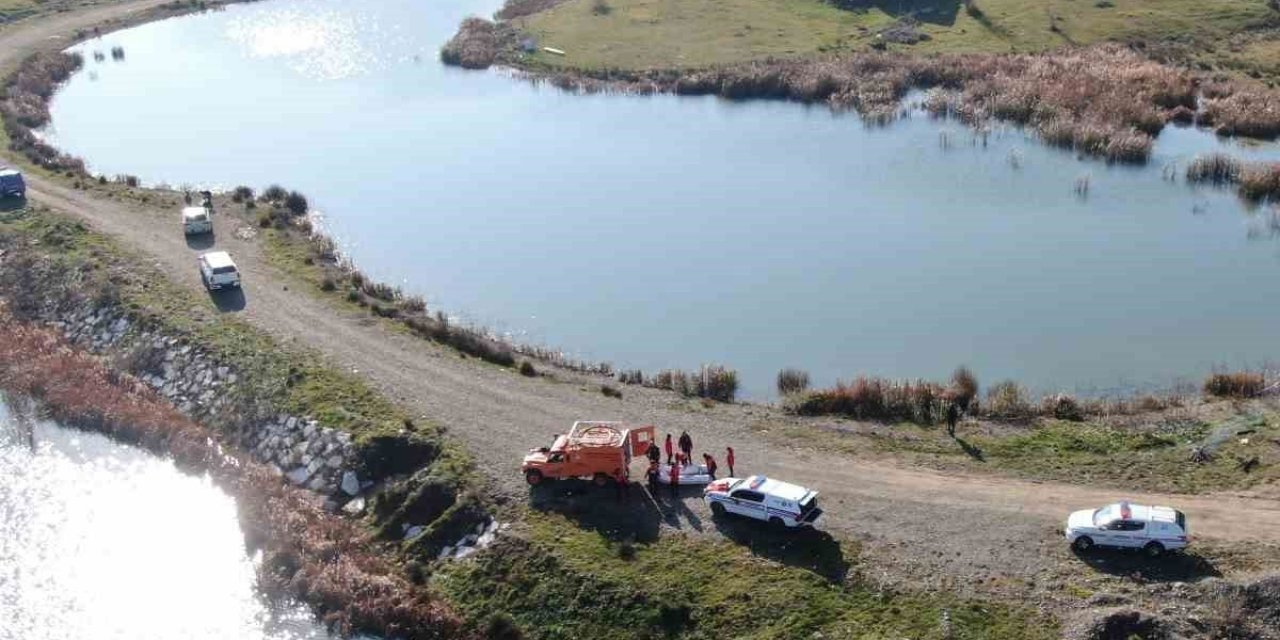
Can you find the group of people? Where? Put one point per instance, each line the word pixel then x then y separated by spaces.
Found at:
pixel 678 460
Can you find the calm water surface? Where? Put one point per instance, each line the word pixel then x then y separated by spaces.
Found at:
pixel 663 231
pixel 101 540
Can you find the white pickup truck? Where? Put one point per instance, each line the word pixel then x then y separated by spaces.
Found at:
pixel 196 220
pixel 781 504
pixel 218 271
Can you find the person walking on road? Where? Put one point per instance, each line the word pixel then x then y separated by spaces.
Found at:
pixel 686 445
pixel 711 465
pixel 669 448
pixel 953 415
pixel 675 480
pixel 728 459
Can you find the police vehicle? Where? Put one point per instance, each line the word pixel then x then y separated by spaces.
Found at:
pixel 781 504
pixel 1128 526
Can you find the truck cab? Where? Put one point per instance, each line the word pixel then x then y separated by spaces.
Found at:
pixel 592 449
pixel 12 184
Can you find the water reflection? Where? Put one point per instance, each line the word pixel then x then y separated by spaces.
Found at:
pixel 101 540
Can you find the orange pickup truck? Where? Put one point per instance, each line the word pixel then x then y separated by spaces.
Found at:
pixel 592 449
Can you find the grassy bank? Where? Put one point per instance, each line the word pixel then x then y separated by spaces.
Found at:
pixel 557 580
pixel 326 561
pixel 665 34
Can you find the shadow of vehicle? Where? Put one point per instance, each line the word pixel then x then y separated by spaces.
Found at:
pixel 805 548
pixel 636 518
pixel 228 300
pixel 201 241
pixel 940 12
pixel 1133 563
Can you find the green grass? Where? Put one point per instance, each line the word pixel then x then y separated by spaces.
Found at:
pixel 1073 452
pixel 640 34
pixel 561 581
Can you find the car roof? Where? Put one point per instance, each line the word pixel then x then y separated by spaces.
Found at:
pixel 776 488
pixel 1146 513
pixel 191 212
pixel 217 259
pixel 5 171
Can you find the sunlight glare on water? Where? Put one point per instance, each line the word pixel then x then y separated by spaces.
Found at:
pixel 321 45
pixel 102 540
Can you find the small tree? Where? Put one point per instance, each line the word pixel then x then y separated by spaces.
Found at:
pixel 964 387
pixel 296 203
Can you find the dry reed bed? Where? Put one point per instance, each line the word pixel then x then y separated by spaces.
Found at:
pixel 1254 180
pixel 1104 100
pixel 24 105
pixel 328 562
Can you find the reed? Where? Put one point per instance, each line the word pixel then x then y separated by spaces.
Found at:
pixel 1216 168
pixel 792 381
pixel 1235 384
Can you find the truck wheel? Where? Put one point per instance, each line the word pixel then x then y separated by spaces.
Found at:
pixel 533 477
pixel 717 509
pixel 777 524
pixel 601 479
pixel 1153 549
pixel 1082 544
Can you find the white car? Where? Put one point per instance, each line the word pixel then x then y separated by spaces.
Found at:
pixel 196 220
pixel 781 504
pixel 217 271
pixel 1128 526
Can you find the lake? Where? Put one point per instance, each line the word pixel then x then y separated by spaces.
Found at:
pixel 103 540
pixel 666 231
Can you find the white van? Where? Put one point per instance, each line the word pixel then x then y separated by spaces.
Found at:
pixel 196 220
pixel 1128 526
pixel 217 271
pixel 781 504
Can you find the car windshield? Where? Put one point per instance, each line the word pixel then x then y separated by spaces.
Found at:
pixel 221 270
pixel 1104 515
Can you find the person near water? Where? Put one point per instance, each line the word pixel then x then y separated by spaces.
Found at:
pixel 686 445
pixel 669 448
pixel 953 415
pixel 711 465
pixel 728 459
pixel 675 479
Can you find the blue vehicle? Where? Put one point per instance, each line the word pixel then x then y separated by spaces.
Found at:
pixel 12 184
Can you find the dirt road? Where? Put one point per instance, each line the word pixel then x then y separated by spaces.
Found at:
pixel 925 522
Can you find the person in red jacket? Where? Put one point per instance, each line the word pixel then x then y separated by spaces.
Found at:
pixel 670 449
pixel 711 465
pixel 728 459
pixel 622 484
pixel 675 479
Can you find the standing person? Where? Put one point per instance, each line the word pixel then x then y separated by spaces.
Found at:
pixel 686 445
pixel 653 475
pixel 654 454
pixel 953 415
pixel 675 479
pixel 623 484
pixel 669 448
pixel 711 465
pixel 728 459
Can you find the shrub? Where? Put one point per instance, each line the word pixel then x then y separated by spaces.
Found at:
pixel 868 398
pixel 1260 181
pixel 502 627
pixel 264 219
pixel 1062 407
pixel 1238 384
pixel 964 387
pixel 413 304
pixel 296 203
pixel 327 284
pixel 717 383
pixel 792 381
pixel 633 376
pixel 274 193
pixel 611 392
pixel 601 8
pixel 241 194
pixel 1007 400
pixel 527 369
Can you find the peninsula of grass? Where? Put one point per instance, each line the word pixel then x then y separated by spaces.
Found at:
pixel 558 580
